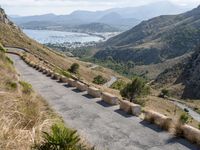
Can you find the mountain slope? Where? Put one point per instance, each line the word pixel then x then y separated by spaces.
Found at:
pixel 155 40
pixel 145 12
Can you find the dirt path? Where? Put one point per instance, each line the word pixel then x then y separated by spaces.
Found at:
pixel 104 126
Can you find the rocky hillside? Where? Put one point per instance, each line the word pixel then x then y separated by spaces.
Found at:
pixel 155 40
pixel 184 75
pixel 190 76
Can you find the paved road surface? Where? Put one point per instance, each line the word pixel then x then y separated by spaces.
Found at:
pixel 112 80
pixel 104 126
pixel 191 112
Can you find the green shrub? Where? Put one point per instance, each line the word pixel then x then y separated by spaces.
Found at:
pixel 9 60
pixel 2 48
pixel 140 101
pixel 27 88
pixel 184 118
pixel 137 88
pixel 164 93
pixel 66 74
pixel 11 85
pixel 74 68
pixel 118 85
pixel 99 80
pixel 60 138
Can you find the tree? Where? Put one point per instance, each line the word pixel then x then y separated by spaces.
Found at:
pixel 74 68
pixel 135 89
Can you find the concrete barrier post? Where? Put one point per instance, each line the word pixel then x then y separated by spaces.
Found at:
pixel 63 79
pixel 130 107
pixel 55 76
pixel 94 92
pixel 71 82
pixel 136 109
pixel 192 134
pixel 81 86
pixel 158 119
pixel 110 99
pixel 125 106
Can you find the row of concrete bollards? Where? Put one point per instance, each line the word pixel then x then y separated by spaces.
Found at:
pixel 189 132
pixel 127 106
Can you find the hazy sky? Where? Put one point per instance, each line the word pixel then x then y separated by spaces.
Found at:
pixel 34 7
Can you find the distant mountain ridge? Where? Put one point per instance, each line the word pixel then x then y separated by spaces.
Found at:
pixel 155 40
pixel 121 18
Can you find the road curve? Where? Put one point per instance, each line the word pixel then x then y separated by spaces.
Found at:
pixel 103 126
pixel 112 80
pixel 191 112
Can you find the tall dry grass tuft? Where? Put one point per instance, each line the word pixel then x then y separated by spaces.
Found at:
pixel 23 114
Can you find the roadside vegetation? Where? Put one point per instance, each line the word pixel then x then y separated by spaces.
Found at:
pixel 74 68
pixel 60 138
pixel 118 85
pixel 136 89
pixel 99 80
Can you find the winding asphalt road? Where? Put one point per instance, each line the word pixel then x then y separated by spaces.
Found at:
pixel 104 126
pixel 112 80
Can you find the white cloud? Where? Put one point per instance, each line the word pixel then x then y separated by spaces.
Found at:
pixel 32 7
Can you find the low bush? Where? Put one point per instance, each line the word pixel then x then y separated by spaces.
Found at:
pixel 74 68
pixel 140 101
pixel 164 93
pixel 60 138
pixel 9 60
pixel 118 85
pixel 27 88
pixel 11 85
pixel 99 80
pixel 184 118
pixel 66 74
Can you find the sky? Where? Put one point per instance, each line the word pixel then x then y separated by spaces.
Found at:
pixel 38 7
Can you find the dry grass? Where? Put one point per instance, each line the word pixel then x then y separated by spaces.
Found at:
pixel 23 116
pixel 167 108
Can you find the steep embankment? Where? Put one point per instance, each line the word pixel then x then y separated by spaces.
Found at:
pixel 155 40
pixel 23 113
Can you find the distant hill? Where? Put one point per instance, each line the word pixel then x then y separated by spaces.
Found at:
pixel 121 18
pixel 96 27
pixel 155 40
